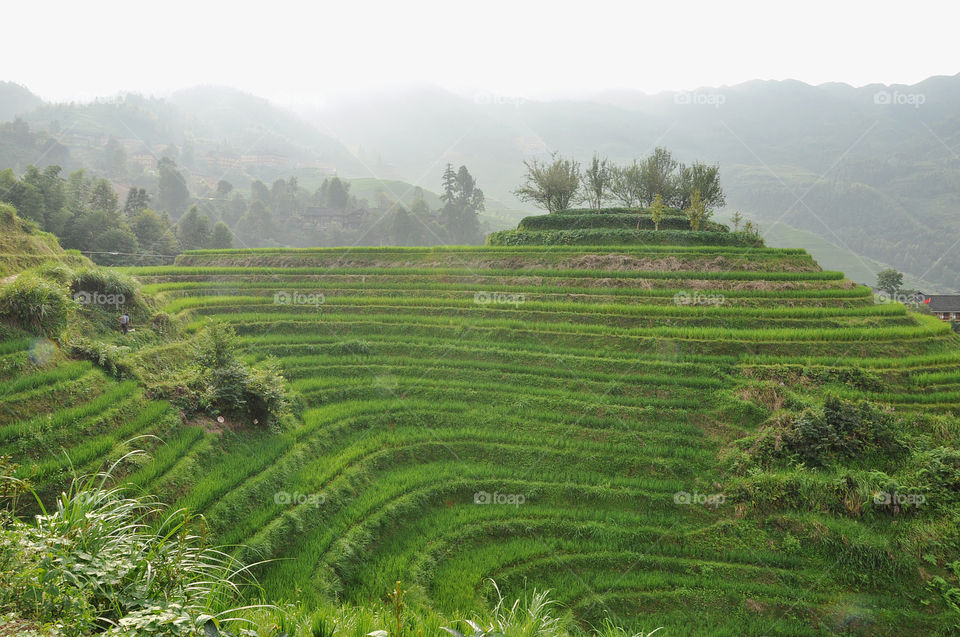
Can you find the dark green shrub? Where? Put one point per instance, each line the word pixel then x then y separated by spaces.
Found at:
pixel 615 221
pixel 841 429
pixel 615 211
pixel 227 385
pixel 36 304
pixel 597 237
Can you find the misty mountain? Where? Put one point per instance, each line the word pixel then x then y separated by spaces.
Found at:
pixel 16 99
pixel 212 132
pixel 873 170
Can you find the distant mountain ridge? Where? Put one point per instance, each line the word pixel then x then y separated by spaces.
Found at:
pixel 875 170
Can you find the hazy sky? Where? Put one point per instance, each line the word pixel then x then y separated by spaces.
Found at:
pixel 299 52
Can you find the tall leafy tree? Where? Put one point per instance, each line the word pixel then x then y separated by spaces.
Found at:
pixel 626 185
pixel 103 197
pixel 550 185
pixel 137 200
pixel 338 194
pixel 155 237
pixel 697 211
pixel 222 238
pixel 658 174
pixel 193 230
pixel 597 181
pixel 173 195
pixel 656 212
pixel 463 201
pixel 702 177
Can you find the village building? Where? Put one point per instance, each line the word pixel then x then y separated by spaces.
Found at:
pixel 944 306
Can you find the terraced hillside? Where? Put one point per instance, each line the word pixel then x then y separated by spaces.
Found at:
pixel 59 416
pixel 565 418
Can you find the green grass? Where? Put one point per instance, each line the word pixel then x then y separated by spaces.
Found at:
pixel 598 399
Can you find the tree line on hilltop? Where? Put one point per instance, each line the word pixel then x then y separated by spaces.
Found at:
pixel 86 214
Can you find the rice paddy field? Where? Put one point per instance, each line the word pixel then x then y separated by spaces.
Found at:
pixel 540 416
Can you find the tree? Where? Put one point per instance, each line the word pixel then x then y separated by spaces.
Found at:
pixel 706 179
pixel 418 206
pixel 657 174
pixel 697 211
pixel 193 230
pixel 626 185
pixel 889 280
pixel 256 227
pixel 154 236
pixel 401 230
pixel 137 200
pixel 114 159
pixel 222 238
pixel 552 185
pixel 173 195
pixel 656 212
pixel 115 246
pixel 463 202
pixel 736 219
pixel 338 194
pixel 224 188
pixel 103 197
pixel 448 183
pixel 597 180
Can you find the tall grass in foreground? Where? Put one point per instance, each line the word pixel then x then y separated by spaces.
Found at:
pixel 100 562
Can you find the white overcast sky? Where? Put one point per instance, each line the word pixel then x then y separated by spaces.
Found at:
pixel 301 52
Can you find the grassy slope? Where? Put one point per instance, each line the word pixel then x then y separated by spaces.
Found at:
pixel 597 414
pixel 584 387
pixel 23 246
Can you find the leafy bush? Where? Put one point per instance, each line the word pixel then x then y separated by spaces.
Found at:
pixel 36 304
pixel 841 429
pixel 101 562
pixel 104 355
pixel 622 221
pixel 622 237
pixel 226 384
pixel 616 211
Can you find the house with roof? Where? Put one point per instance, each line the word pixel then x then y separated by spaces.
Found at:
pixel 943 306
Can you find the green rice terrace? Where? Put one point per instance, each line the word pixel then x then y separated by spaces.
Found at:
pixel 695 432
